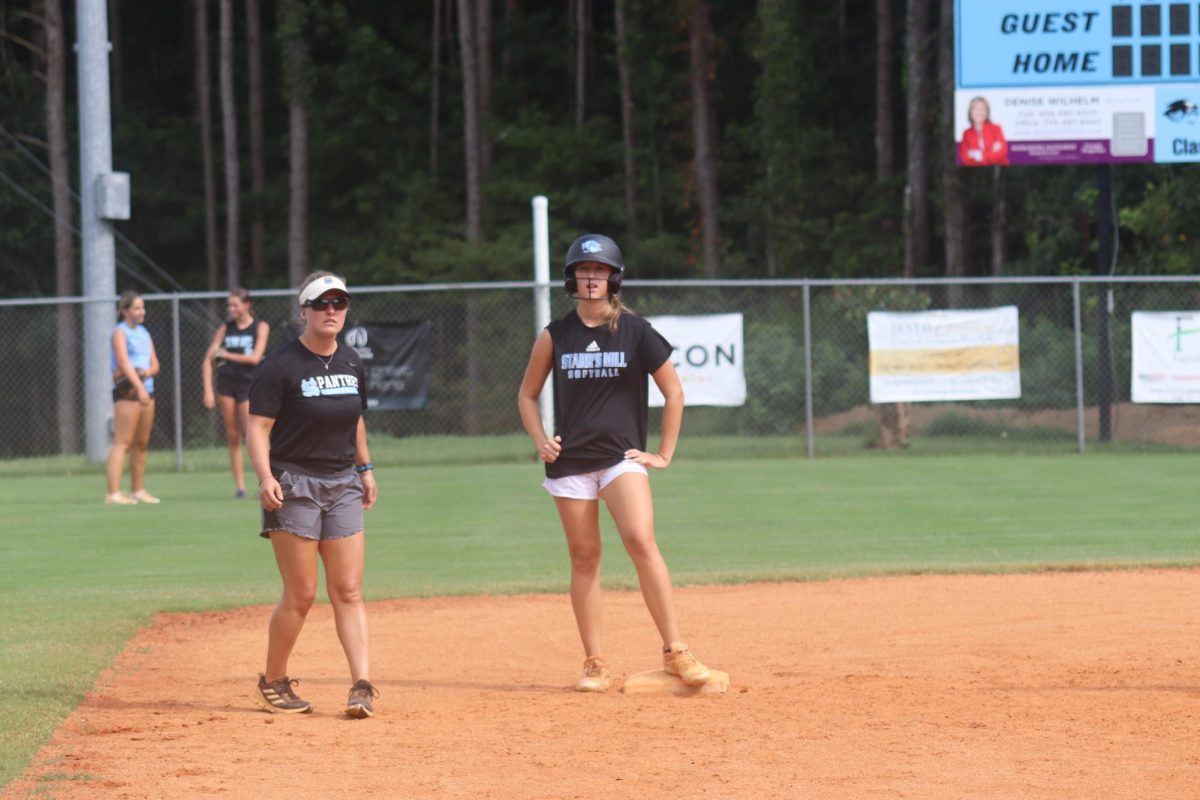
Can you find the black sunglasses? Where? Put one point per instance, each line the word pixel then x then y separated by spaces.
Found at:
pixel 321 303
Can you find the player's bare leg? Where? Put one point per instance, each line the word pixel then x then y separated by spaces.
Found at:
pixel 139 448
pixel 233 438
pixel 632 508
pixel 343 580
pixel 581 524
pixel 125 417
pixel 297 561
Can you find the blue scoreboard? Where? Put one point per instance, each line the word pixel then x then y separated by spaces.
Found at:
pixel 1052 82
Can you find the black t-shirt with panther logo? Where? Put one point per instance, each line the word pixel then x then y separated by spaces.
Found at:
pixel 601 390
pixel 240 341
pixel 316 408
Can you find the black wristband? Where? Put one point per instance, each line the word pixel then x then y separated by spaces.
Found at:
pixel 364 467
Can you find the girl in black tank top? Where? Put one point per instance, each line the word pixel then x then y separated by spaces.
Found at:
pixel 236 349
pixel 600 357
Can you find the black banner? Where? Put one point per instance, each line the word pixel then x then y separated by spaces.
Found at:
pixel 396 356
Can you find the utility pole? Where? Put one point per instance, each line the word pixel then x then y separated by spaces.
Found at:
pixel 104 196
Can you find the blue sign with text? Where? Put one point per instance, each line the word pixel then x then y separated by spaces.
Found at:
pixel 1018 43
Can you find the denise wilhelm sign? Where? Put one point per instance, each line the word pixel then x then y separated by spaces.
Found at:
pixel 1166 357
pixel 708 356
pixel 932 356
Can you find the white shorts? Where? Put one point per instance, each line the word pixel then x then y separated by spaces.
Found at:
pixel 588 485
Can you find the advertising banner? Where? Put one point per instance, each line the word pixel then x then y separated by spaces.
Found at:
pixel 1166 357
pixel 1059 82
pixel 931 356
pixel 708 356
pixel 396 357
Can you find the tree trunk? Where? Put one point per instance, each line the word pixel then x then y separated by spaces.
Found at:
pixel 885 145
pixel 466 46
pixel 292 24
pixel 233 266
pixel 842 22
pixel 484 28
pixel 204 117
pixel 999 219
pixel 258 170
pixel 627 131
pixel 511 8
pixel 116 60
pixel 67 316
pixel 581 24
pixel 704 133
pixel 919 230
pixel 953 199
pixel 435 92
pixel 894 425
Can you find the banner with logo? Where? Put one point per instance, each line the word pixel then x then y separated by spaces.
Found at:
pixel 708 356
pixel 1166 357
pixel 944 355
pixel 396 356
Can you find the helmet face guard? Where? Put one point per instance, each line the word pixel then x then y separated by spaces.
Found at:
pixel 594 247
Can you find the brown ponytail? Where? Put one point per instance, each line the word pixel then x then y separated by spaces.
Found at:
pixel 618 308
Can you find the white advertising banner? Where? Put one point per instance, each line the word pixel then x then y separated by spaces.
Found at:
pixel 708 356
pixel 930 356
pixel 1166 357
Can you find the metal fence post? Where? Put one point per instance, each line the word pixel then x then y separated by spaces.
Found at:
pixel 541 295
pixel 808 394
pixel 1078 366
pixel 178 382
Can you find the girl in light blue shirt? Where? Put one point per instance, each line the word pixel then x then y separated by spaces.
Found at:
pixel 134 364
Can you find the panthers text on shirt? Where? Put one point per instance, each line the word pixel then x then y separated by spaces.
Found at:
pixel 242 342
pixel 593 365
pixel 329 385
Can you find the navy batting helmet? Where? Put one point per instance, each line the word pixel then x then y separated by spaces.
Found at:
pixel 600 249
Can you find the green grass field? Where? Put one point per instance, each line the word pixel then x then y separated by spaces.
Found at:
pixel 78 578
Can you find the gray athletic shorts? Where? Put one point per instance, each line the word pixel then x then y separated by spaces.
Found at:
pixel 317 508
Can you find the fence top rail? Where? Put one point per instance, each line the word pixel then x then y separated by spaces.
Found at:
pixel 679 283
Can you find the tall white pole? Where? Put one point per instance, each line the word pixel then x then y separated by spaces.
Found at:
pixel 541 294
pixel 98 249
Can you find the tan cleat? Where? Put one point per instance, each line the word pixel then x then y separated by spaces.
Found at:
pixel 679 661
pixel 142 496
pixel 595 677
pixel 119 499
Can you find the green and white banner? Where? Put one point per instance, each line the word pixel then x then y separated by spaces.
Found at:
pixel 1166 357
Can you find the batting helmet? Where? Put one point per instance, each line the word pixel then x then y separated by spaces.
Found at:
pixel 600 249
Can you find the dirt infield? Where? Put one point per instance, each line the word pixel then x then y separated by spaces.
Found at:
pixel 1069 685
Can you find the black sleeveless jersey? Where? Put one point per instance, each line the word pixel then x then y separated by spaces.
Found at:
pixel 601 389
pixel 240 341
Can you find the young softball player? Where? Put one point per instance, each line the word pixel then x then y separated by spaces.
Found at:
pixel 134 364
pixel 308 446
pixel 600 355
pixel 237 347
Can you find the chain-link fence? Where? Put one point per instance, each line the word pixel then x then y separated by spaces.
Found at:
pixel 806 362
